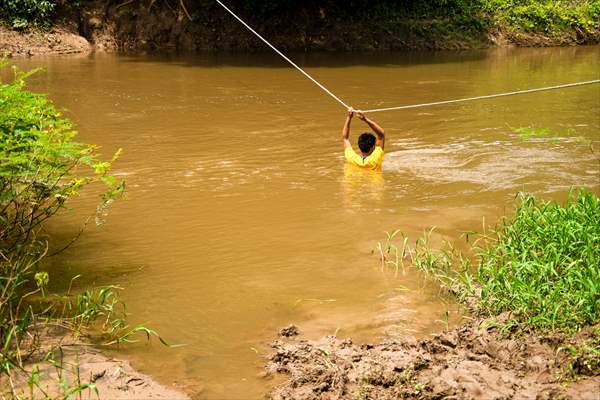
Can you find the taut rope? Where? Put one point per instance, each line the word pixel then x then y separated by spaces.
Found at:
pixel 489 96
pixel 284 57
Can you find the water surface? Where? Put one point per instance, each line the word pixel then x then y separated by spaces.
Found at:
pixel 241 217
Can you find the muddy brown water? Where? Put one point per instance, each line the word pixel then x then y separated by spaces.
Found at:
pixel 241 217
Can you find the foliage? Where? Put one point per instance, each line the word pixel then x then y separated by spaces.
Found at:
pixel 41 169
pixel 424 17
pixel 453 15
pixel 446 266
pixel 22 13
pixel 545 16
pixel 541 264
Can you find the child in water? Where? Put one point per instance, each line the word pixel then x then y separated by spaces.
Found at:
pixel 371 148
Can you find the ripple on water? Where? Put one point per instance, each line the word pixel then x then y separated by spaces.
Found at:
pixel 496 165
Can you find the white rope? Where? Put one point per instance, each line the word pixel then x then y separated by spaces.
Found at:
pixel 284 57
pixel 400 107
pixel 490 96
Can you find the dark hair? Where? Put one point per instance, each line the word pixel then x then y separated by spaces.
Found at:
pixel 366 141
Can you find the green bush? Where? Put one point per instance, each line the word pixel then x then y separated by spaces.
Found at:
pixel 41 169
pixel 41 165
pixel 23 13
pixel 545 16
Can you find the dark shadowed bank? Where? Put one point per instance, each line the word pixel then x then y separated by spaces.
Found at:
pixel 358 25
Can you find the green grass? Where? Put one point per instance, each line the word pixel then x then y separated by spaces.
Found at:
pixel 542 264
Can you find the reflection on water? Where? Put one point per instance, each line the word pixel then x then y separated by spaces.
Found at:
pixel 242 217
pixel 363 188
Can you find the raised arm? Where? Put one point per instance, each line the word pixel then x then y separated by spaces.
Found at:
pixel 346 128
pixel 376 128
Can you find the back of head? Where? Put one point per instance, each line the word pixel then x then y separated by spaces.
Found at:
pixel 366 142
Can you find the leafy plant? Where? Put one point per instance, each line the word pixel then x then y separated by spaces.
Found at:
pixel 543 263
pixel 41 169
pixel 446 266
pixel 23 13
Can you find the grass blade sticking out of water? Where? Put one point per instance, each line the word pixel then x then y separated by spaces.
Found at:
pixel 446 266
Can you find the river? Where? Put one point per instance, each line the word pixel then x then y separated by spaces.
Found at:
pixel 241 217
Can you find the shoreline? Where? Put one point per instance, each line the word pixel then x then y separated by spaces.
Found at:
pixel 56 41
pixel 86 366
pixel 475 360
pixel 67 40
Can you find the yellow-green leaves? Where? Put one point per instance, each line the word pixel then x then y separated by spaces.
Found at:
pixel 41 166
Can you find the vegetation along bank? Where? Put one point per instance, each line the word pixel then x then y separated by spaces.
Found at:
pixel 43 336
pixel 50 26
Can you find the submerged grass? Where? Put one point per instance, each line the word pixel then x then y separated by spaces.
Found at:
pixel 542 264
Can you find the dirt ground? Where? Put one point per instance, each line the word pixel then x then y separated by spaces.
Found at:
pixel 470 362
pixel 56 41
pixel 83 364
pixel 106 26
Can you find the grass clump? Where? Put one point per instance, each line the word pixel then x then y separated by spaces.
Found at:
pixel 542 265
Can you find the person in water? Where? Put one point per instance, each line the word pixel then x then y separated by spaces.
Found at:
pixel 371 148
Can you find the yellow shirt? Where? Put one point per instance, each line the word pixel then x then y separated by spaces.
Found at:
pixel 372 161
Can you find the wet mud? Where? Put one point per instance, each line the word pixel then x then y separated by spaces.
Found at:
pixel 475 361
pixel 63 359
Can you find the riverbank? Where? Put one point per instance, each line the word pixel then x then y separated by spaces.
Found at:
pixel 57 41
pixel 66 40
pixel 161 27
pixel 536 335
pixel 85 369
pixel 479 360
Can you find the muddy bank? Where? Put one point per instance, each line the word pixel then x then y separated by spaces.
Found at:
pixel 81 364
pixel 206 26
pixel 59 40
pixel 469 362
pixel 159 26
pixel 163 26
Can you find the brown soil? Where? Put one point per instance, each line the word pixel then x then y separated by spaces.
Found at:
pixel 173 26
pixel 78 362
pixel 470 362
pixel 60 40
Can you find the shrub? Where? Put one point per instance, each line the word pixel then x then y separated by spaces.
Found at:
pixel 41 168
pixel 22 13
